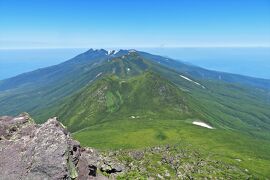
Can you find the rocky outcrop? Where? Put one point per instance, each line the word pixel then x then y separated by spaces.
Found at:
pixel 31 151
pixel 47 152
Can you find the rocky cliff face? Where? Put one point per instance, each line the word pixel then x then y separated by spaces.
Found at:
pixel 31 151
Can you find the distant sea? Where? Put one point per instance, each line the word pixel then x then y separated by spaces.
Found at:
pixel 253 62
pixel 14 62
pixel 246 61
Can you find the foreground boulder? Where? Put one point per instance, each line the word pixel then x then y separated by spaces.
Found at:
pixel 31 151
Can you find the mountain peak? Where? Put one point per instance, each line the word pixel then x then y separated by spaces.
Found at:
pixel 95 51
pixel 109 53
pixel 132 51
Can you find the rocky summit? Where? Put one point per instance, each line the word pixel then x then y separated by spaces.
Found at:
pixel 31 151
pixel 47 151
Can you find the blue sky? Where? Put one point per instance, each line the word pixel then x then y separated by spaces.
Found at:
pixel 133 23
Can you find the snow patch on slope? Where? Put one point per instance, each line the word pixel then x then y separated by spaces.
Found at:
pixel 112 52
pixel 186 78
pixel 202 124
pixel 99 74
pixel 116 51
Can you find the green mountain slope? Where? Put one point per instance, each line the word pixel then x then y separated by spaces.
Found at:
pixel 230 146
pixel 36 91
pixel 201 73
pixel 145 96
pixel 148 110
pixel 224 105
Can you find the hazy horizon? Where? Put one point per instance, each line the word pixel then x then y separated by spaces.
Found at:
pixel 253 62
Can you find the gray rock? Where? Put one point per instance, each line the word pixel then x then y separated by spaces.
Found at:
pixel 30 151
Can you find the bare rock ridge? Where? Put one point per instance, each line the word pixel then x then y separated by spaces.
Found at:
pixel 46 151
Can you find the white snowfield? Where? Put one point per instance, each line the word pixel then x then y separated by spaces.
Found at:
pixel 186 78
pixel 99 74
pixel 115 51
pixel 112 52
pixel 202 124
